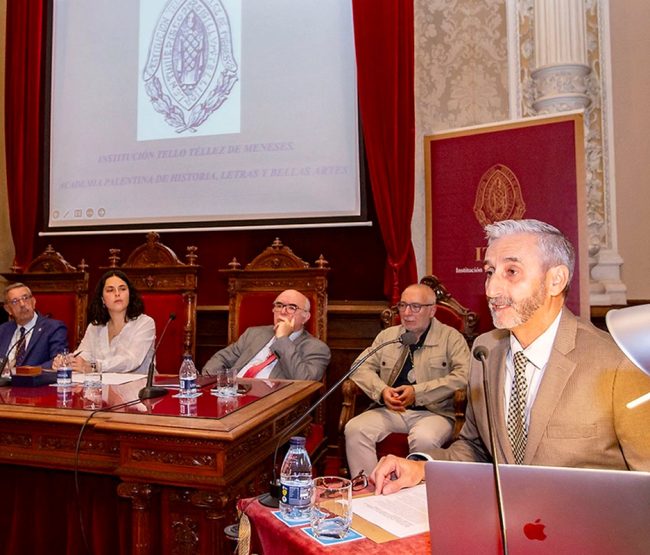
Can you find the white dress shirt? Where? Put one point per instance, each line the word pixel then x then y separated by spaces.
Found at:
pixel 129 351
pixel 537 353
pixel 262 356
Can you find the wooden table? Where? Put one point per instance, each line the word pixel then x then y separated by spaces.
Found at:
pixel 151 481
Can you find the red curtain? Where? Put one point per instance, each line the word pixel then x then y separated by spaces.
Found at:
pixel 23 110
pixel 383 31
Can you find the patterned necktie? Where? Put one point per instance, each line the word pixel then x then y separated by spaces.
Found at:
pixel 20 348
pixel 257 368
pixel 517 409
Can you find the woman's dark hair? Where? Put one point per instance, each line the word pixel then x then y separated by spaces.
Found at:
pixel 97 312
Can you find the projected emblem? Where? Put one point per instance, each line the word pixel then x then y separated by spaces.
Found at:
pixel 190 70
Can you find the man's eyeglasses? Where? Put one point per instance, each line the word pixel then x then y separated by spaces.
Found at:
pixel 415 307
pixel 18 300
pixel 359 482
pixel 290 308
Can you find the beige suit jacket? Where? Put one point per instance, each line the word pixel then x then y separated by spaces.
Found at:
pixel 579 417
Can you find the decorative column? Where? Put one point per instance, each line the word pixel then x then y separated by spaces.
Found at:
pixel 571 72
pixel 560 56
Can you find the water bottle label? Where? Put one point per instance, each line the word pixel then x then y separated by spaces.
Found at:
pixel 188 384
pixel 64 375
pixel 296 496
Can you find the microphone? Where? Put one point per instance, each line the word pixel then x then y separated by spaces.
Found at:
pixel 272 499
pixel 5 358
pixel 151 391
pixel 481 353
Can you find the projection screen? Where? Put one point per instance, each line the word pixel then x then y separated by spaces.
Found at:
pixel 202 113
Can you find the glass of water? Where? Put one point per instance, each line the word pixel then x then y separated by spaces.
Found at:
pixel 92 392
pixel 93 376
pixel 332 507
pixel 226 382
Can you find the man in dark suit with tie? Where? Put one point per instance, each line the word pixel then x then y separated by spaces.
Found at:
pixel 558 385
pixel 29 339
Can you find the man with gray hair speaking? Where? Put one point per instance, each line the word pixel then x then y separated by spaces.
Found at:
pixel 558 385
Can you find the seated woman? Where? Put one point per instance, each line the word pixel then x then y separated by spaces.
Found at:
pixel 120 337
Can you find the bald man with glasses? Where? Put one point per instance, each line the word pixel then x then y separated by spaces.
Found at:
pixel 412 386
pixel 284 350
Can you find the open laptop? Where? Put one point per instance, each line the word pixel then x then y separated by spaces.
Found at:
pixel 548 510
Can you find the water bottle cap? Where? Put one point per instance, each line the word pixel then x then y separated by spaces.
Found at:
pixel 297 440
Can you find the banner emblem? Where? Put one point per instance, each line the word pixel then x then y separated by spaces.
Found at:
pixel 498 196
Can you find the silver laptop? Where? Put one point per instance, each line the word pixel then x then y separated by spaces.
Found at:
pixel 548 510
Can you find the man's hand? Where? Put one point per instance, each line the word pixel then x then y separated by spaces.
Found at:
pixel 284 327
pixel 392 400
pixel 394 473
pixel 406 395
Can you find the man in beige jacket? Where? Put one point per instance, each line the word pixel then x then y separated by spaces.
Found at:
pixel 412 385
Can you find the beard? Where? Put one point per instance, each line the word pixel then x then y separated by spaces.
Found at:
pixel 521 311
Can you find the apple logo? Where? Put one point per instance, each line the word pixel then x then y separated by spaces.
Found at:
pixel 535 530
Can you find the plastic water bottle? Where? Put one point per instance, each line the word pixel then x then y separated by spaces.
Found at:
pixel 64 372
pixel 187 378
pixel 295 482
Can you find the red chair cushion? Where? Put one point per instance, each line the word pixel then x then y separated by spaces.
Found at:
pixel 394 444
pixel 449 317
pixel 159 306
pixel 60 306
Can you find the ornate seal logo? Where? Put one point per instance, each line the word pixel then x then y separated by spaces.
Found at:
pixel 190 68
pixel 498 196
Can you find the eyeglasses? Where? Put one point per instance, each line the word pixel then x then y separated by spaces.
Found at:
pixel 18 300
pixel 291 308
pixel 415 307
pixel 359 482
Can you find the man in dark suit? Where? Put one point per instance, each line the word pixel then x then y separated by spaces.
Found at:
pixel 284 350
pixel 29 339
pixel 558 385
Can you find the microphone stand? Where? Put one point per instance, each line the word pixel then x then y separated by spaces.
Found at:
pixel 480 353
pixel 150 391
pixel 272 499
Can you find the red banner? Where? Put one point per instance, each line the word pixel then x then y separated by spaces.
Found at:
pixel 526 169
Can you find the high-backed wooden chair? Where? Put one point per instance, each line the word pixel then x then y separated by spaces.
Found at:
pixel 252 291
pixel 449 311
pixel 60 289
pixel 167 286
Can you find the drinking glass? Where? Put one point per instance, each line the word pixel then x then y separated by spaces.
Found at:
pixel 332 507
pixel 93 377
pixel 226 382
pixel 92 392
